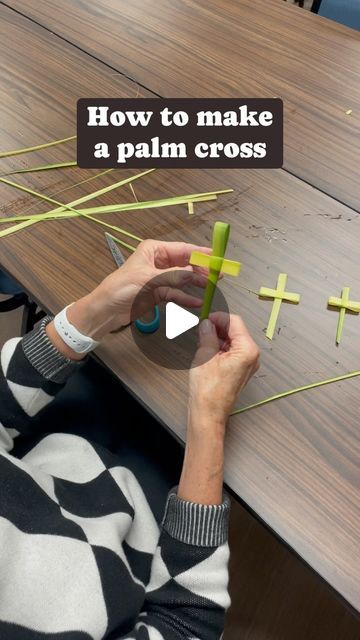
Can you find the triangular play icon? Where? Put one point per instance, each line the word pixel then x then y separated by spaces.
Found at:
pixel 178 320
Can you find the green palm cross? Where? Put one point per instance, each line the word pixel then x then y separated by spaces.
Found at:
pixel 279 294
pixel 344 304
pixel 216 263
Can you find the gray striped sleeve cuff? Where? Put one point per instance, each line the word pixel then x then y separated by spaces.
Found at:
pixel 198 524
pixel 44 356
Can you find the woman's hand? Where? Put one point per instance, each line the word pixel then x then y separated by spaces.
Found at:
pixel 226 359
pixel 110 306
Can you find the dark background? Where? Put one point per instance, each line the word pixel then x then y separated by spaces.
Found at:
pixel 190 134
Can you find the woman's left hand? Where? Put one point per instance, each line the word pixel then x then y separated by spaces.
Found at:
pixel 110 306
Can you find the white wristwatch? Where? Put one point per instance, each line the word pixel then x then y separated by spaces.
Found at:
pixel 71 336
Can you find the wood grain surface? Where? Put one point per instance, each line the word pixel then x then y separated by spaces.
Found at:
pixel 245 48
pixel 294 462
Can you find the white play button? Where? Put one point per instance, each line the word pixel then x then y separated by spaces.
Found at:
pixel 174 344
pixel 178 320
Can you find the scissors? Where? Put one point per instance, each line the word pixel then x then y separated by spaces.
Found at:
pixel 141 325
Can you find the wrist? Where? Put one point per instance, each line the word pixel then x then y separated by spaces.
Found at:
pixel 86 317
pixel 60 345
pixel 89 316
pixel 204 424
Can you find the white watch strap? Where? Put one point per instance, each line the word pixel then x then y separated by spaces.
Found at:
pixel 71 336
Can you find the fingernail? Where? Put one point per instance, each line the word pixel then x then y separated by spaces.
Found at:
pixel 206 327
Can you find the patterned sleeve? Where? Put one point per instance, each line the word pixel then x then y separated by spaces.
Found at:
pixel 187 596
pixel 32 372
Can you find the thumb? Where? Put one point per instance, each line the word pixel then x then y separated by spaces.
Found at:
pixel 208 342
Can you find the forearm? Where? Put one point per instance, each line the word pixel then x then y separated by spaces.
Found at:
pixel 203 469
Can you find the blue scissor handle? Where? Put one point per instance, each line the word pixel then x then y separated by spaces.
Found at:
pixel 149 327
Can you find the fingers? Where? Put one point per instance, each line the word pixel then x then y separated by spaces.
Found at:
pixel 209 344
pixel 169 294
pixel 199 270
pixel 167 255
pixel 203 271
pixel 208 336
pixel 232 329
pixel 229 325
pixel 180 277
pixel 174 254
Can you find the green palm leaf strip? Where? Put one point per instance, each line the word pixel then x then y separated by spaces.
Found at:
pixel 114 208
pixel 71 186
pixel 19 227
pixel 215 263
pixel 123 243
pixel 291 392
pixel 38 147
pixel 71 205
pixel 44 167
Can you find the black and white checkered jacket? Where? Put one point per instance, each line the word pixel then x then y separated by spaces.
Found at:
pixel 81 556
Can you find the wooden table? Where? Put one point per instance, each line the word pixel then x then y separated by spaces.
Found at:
pixel 293 462
pixel 245 48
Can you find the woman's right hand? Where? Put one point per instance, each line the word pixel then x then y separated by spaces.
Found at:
pixel 225 361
